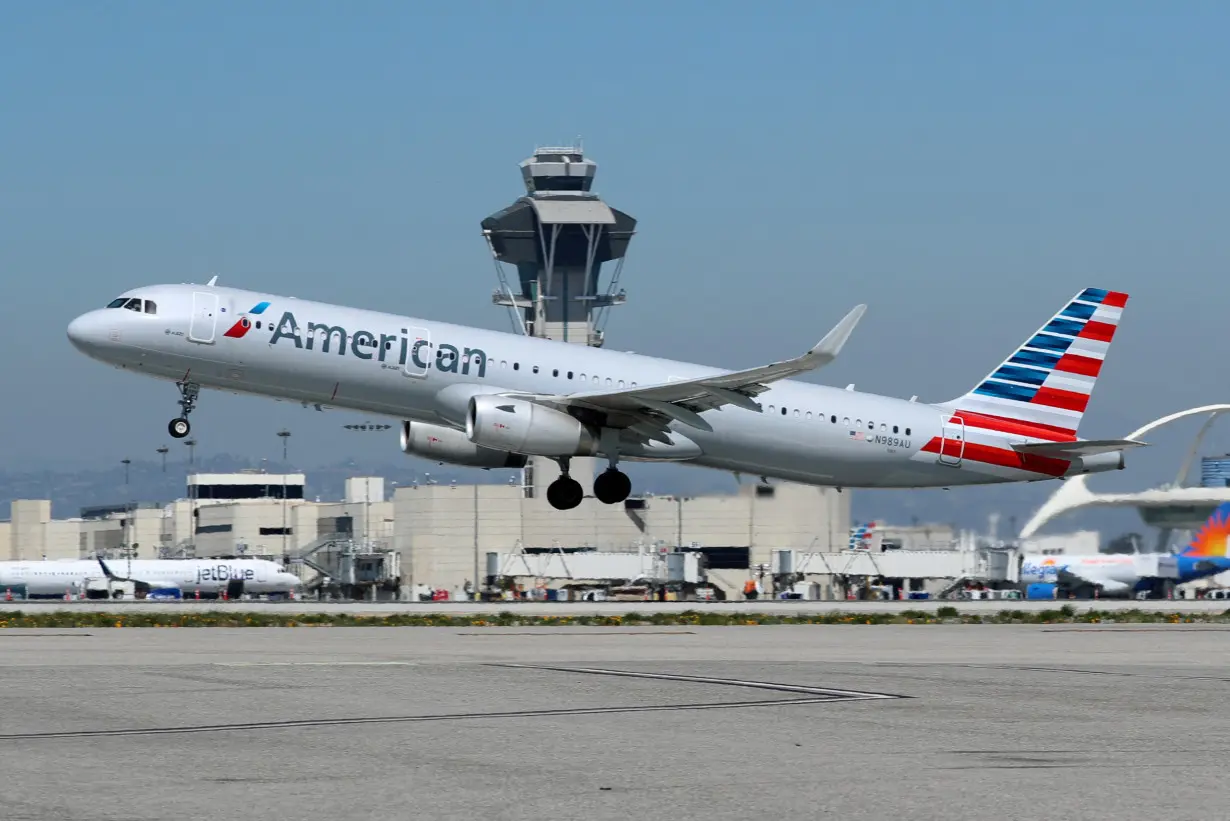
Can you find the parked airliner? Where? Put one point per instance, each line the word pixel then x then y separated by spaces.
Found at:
pixel 486 399
pixel 1208 554
pixel 211 576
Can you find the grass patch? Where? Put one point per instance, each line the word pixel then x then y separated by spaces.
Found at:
pixel 942 615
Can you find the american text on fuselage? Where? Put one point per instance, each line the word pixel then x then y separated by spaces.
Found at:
pixel 369 345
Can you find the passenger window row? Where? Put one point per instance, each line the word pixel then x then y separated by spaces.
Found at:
pixel 555 372
pixel 858 423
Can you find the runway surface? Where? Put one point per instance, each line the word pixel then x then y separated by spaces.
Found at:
pixel 852 722
pixel 461 608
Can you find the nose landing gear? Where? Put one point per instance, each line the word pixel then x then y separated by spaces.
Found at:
pixel 188 392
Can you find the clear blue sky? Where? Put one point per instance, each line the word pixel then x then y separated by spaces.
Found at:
pixel 962 167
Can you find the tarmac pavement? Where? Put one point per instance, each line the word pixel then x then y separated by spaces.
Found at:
pixel 950 722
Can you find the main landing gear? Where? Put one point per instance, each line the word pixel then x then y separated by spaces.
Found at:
pixel 188 392
pixel 611 487
pixel 565 493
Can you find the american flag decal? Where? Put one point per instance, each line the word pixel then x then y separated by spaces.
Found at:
pixel 857 435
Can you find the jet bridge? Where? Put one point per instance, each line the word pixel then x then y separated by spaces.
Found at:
pixel 339 565
pixel 649 567
pixel 964 564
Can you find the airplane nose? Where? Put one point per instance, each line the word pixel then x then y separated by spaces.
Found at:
pixel 87 332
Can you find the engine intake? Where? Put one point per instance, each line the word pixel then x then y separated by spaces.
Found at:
pixel 525 427
pixel 442 444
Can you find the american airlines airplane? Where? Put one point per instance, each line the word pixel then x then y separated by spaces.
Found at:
pixel 1208 554
pixel 487 399
pixel 210 576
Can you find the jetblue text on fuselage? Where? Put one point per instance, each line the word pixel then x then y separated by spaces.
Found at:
pixel 223 573
pixel 366 345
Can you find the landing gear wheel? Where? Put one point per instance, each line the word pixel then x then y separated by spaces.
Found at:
pixel 188 392
pixel 565 493
pixel 612 486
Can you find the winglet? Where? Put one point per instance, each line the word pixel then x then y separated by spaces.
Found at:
pixel 826 349
pixel 212 281
pixel 106 570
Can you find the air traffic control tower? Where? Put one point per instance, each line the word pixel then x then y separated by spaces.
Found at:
pixel 558 236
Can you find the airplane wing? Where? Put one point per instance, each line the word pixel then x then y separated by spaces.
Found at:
pixel 685 399
pixel 1086 447
pixel 1069 577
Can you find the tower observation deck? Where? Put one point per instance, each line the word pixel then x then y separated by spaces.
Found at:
pixel 557 237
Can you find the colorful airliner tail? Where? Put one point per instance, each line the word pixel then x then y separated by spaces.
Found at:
pixel 1210 542
pixel 1041 391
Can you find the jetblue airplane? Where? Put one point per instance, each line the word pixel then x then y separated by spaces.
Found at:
pixel 486 399
pixel 1119 573
pixel 52 578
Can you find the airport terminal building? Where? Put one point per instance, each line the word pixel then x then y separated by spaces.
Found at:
pixel 437 535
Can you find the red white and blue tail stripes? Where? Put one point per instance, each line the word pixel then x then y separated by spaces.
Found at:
pixel 1041 391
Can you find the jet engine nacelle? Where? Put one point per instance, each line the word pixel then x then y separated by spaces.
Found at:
pixel 442 444
pixel 1096 463
pixel 525 427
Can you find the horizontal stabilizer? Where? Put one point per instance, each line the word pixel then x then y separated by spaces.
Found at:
pixel 1087 447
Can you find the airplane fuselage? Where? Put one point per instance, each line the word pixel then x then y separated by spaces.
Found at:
pixel 54 578
pixel 1120 570
pixel 426 371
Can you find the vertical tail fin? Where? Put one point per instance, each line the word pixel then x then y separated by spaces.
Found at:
pixel 1042 389
pixel 1210 542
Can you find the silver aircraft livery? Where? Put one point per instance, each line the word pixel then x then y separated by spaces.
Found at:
pixel 487 399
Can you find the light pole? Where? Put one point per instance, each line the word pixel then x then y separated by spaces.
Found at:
pixel 476 584
pixel 679 521
pixel 163 451
pixel 125 463
pixel 284 435
pixel 367 427
pixel 192 491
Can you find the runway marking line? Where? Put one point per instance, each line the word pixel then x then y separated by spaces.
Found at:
pixel 312 664
pixel 728 682
pixel 815 695
pixel 486 633
pixel 341 722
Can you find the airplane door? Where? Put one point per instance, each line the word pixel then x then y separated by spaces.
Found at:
pixel 204 318
pixel 952 441
pixel 418 353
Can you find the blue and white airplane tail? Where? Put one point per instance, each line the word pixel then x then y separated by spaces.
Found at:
pixel 1041 391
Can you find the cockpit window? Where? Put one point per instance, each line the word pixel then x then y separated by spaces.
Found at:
pixel 133 303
